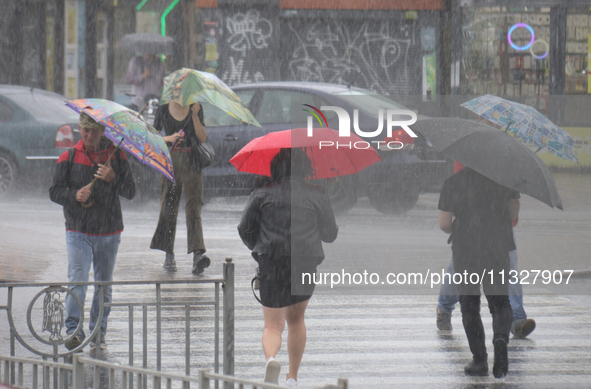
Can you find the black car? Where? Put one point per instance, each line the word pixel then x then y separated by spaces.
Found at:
pixel 392 185
pixel 35 128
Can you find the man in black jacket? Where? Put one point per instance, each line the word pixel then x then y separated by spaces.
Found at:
pixel 477 212
pixel 93 233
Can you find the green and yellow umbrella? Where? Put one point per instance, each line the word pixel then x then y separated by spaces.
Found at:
pixel 189 86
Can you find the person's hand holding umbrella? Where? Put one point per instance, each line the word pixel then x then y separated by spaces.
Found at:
pixel 105 172
pixel 199 128
pixel 174 138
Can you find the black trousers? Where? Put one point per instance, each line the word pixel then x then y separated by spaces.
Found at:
pixel 187 177
pixel 471 261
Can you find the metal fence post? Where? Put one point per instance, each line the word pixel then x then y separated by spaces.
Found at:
pixel 77 372
pixel 203 379
pixel 228 317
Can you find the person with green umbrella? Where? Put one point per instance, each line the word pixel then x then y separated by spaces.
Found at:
pixel 184 129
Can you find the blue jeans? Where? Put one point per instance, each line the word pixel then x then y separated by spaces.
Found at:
pixel 83 250
pixel 448 294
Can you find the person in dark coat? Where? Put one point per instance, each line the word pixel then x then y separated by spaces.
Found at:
pixel 284 224
pixel 481 238
pixel 93 233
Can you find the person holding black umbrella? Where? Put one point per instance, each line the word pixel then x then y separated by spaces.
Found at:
pixel 477 212
pixel 145 74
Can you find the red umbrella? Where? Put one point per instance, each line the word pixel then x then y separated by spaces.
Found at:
pixel 330 154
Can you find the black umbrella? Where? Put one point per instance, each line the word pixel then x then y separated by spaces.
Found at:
pixel 147 43
pixel 493 153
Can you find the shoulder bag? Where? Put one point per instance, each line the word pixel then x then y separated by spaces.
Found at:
pixel 203 154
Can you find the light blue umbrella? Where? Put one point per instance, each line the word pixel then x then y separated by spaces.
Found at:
pixel 525 123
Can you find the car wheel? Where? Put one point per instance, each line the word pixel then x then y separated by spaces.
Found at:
pixel 8 174
pixel 392 200
pixel 342 192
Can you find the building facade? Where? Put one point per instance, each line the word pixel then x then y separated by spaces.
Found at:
pixel 421 48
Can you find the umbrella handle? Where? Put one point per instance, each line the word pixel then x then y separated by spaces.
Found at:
pixel 143 109
pixel 108 163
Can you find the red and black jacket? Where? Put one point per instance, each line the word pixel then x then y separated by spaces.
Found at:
pixel 104 216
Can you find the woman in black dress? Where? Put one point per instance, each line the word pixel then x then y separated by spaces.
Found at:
pixel 284 224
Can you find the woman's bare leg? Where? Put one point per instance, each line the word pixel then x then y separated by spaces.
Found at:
pixel 274 325
pixel 296 337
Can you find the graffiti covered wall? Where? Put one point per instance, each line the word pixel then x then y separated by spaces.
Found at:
pixel 381 55
pixel 377 51
pixel 247 44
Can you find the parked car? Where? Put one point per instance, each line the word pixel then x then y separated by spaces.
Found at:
pixel 35 128
pixel 392 185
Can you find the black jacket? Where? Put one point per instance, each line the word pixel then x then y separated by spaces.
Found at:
pixel 290 218
pixel 104 216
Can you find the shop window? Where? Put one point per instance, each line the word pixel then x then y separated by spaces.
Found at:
pixel 578 23
pixel 506 53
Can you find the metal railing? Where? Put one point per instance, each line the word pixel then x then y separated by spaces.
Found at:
pixel 49 339
pixel 48 369
pixel 110 375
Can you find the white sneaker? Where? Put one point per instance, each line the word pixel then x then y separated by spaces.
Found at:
pixel 272 371
pixel 291 383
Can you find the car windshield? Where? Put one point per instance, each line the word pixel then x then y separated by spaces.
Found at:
pixel 369 101
pixel 43 106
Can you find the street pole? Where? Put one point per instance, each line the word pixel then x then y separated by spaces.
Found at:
pixel 228 313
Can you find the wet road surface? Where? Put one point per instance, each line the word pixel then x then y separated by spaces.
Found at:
pixel 377 336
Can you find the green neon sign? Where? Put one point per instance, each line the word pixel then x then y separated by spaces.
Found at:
pixel 163 17
pixel 140 5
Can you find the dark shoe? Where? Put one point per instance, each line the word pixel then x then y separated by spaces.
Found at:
pixel 74 341
pixel 522 328
pixel 501 366
pixel 200 262
pixel 443 320
pixel 102 344
pixel 476 369
pixel 169 262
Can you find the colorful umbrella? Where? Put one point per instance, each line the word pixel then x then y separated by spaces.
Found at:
pixel 328 160
pixel 188 86
pixel 139 137
pixel 525 123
